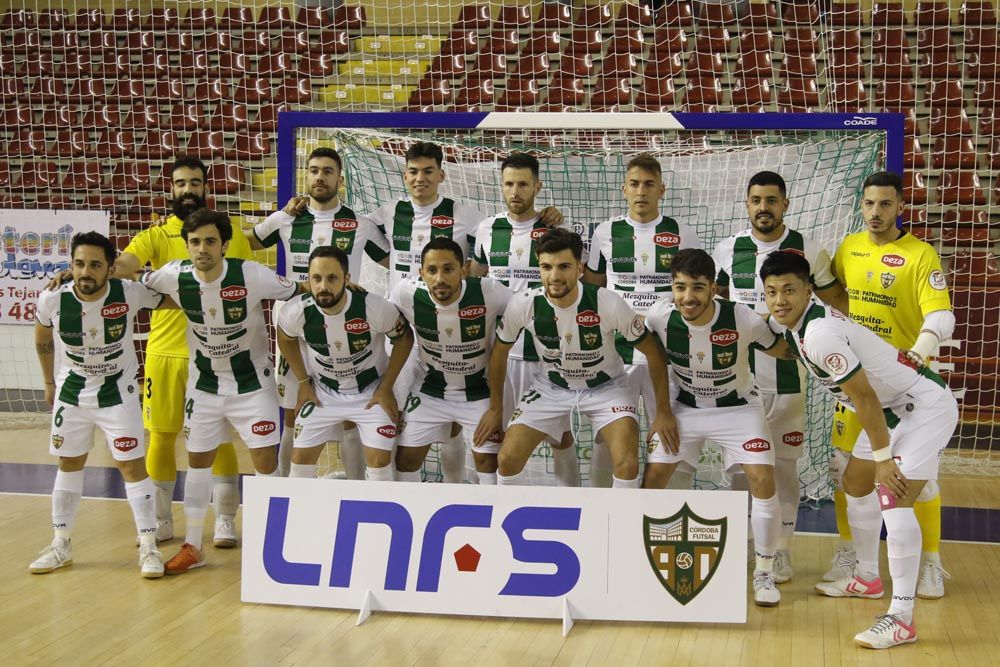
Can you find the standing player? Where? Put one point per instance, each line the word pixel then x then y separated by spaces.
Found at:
pixel 230 379
pixel 897 290
pixel 93 317
pixel 505 250
pixel 574 325
pixel 888 469
pixel 344 375
pixel 454 320
pixel 782 382
pixel 304 224
pixel 709 343
pixel 631 256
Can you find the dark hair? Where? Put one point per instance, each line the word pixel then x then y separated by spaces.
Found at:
pixel 883 179
pixel 783 262
pixel 559 239
pixel 326 151
pixel 694 262
pixel 767 178
pixel 646 162
pixel 521 161
pixel 190 162
pixel 331 251
pixel 442 243
pixel 424 149
pixel 203 217
pixel 95 239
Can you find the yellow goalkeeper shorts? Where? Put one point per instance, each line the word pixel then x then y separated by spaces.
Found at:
pixel 163 393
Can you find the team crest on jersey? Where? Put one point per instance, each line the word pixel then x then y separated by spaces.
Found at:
pixel 298 429
pixel 92 332
pixel 337 344
pixel 684 551
pixel 514 415
pixel 281 390
pixel 449 331
pixel 937 281
pixel 887 279
pixel 187 432
pixel 235 313
pixel 358 344
pixel 724 358
pixel 519 252
pixel 115 331
pixel 473 330
pixel 666 260
pixel 701 357
pixel 838 426
pixel 57 441
pixel 212 312
pixel 589 338
pixel 645 257
pixel 343 243
pixel 869 276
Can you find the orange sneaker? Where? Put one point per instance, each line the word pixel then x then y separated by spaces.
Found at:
pixel 186 559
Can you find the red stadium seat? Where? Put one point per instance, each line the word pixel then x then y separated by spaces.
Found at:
pixel 845 14
pixel 71 143
pixel 799 92
pixel 206 145
pixel 893 65
pixel 64 41
pixel 449 67
pixel 703 90
pixel 158 144
pixel 513 17
pixel 944 93
pixel 577 66
pixel 914 188
pixel 459 42
pixel 713 40
pixel 230 66
pixel 760 15
pixel 54 202
pixel 977 12
pixel 350 17
pixel 432 92
pixel 314 17
pixel 5 179
pixel 126 19
pixel 172 90
pixel 656 92
pixel 545 41
pixel 889 38
pixel 192 66
pixel 753 41
pixel 26 42
pixel 47 91
pixel 750 93
pixel 60 117
pixel 675 14
pixel 255 42
pixel 12 89
pixel 594 16
pixel 115 144
pixel 506 42
pixel 178 42
pixel 705 64
pixel 895 95
pixel 974 268
pixel 610 91
pixel 217 41
pixel 100 116
pixel 522 91
pixel 804 13
pixel 476 92
pixel 330 43
pixel 554 15
pixel 799 66
pixel 535 66
pixel 142 116
pixel 668 65
pixel 42 66
pixel 188 116
pixel 252 146
pixel 38 175
pixel 634 16
pixel 130 175
pixel 984 65
pixel 586 40
pixel 237 19
pixel 934 39
pixel 251 91
pixel 276 65
pixel 490 65
pixel 89 19
pixel 229 117
pixel 214 91
pixel 153 65
pixel 566 91
pixel 275 18
pixel 929 14
pixel 845 65
pixel 630 40
pixel 949 122
pixel 295 91
pixel 847 39
pixel 960 187
pixel 27 143
pixel 15 116
pixel 938 65
pixel 992 159
pixel 754 65
pixel 888 14
pixel 162 19
pixel 473 17
pixel 716 14
pixel 668 41
pixel 53 19
pixel 847 96
pixel 623 65
pixel 913 155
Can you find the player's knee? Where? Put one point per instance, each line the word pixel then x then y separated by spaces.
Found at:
pixel 509 462
pixel 761 480
pixel 377 458
pixel 485 462
pixel 856 482
pixel 72 463
pixel 565 442
pixel 306 455
pixel 408 459
pixel 929 492
pixel 133 470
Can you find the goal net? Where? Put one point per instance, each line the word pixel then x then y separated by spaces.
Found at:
pixel 582 171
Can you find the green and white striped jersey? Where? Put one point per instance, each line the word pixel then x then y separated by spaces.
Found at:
pixel 576 343
pixel 833 348
pixel 636 257
pixel 409 227
pixel 453 341
pixel 226 327
pixel 93 339
pixel 345 352
pixel 738 260
pixel 710 364
pixel 340 227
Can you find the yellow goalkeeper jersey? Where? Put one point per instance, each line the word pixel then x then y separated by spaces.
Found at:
pixel 891 287
pixel 157 246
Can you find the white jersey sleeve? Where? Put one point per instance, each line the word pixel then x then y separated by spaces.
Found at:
pixel 497 294
pixel 628 323
pixel 689 237
pixel 828 348
pixel 267 231
pixel 822 271
pixel 596 261
pixel 290 318
pixel 48 303
pixel 759 332
pixel 515 317
pixel 480 247
pixel 385 318
pixel 141 296
pixel 267 283
pixel 164 279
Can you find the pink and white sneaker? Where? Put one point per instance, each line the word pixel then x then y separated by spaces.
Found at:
pixel 852 586
pixel 889 630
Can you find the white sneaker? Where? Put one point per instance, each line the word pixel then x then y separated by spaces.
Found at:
pixel 782 566
pixel 56 555
pixel 888 631
pixel 150 562
pixel 843 563
pixel 765 592
pixel 931 583
pixel 336 474
pixel 225 533
pixel 852 587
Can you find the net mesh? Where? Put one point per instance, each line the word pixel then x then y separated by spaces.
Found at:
pixel 96 96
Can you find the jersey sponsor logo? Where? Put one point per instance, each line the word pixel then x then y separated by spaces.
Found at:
pixel 623 408
pixel 893 260
pixel 724 337
pixel 233 293
pixel 356 326
pixel 836 362
pixel 539 233
pixel 794 439
pixel 588 318
pixel 114 310
pixel 472 312
pixel 345 225
pixel 667 240
pixel 757 445
pixel 887 279
pixel 263 428
pixel 937 281
pixel 442 222
pixel 387 431
pixel 125 444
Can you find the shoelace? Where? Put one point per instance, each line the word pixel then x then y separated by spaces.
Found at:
pixel 762 580
pixel 938 572
pixel 884 623
pixel 843 557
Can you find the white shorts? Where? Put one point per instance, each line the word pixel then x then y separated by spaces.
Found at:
pixel 428 420
pixel 207 418
pixel 73 428
pixel 521 376
pixel 741 432
pixel 549 409
pixel 642 385
pixel 925 427
pixel 786 419
pixel 317 425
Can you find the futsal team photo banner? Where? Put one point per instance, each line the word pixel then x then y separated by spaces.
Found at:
pixel 612 554
pixel 36 247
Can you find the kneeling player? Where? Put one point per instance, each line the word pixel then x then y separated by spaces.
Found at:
pixel 708 342
pixel 93 317
pixel 344 377
pixel 887 469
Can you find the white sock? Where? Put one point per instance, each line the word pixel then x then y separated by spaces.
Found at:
pixel 285 448
pixel 617 483
pixel 273 473
pixel 66 493
pixel 383 474
pixel 738 482
pixel 352 454
pixel 165 499
pixel 786 483
pixel 903 544
pixel 197 494
pixel 225 495
pixel 517 479
pixel 566 466
pixel 414 476
pixel 765 516
pixel 488 478
pixel 600 467
pixel 141 498
pixel 865 518
pixel 452 455
pixel 302 470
